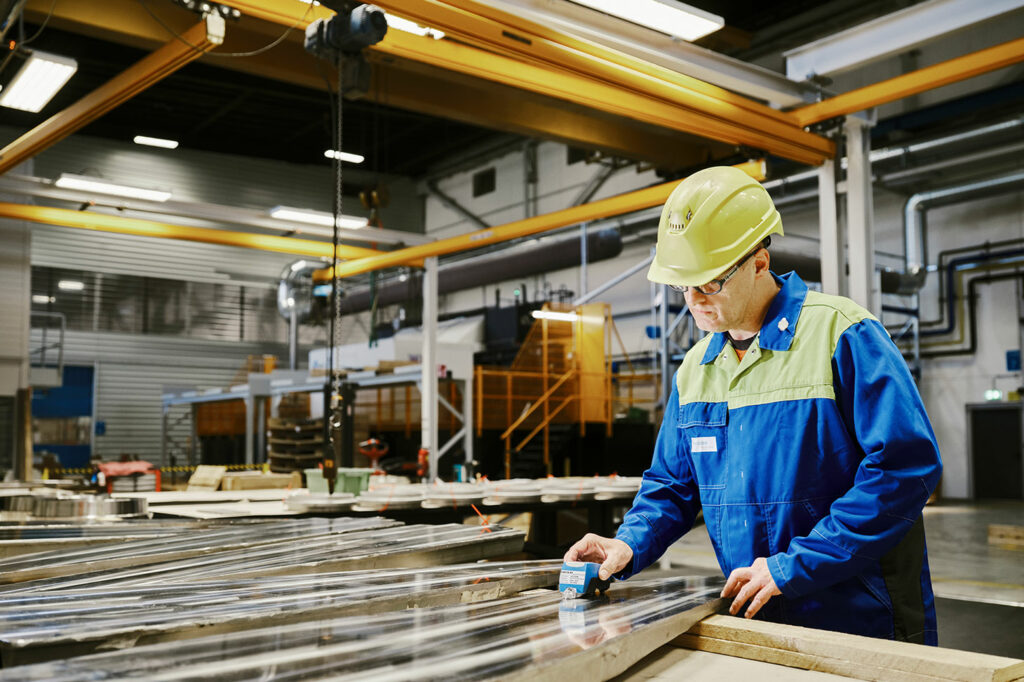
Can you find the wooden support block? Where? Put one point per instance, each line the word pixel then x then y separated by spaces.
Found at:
pixel 843 654
pixel 206 477
pixel 253 480
pixel 1006 536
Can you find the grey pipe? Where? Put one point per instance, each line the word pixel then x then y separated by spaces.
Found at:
pixel 529 258
pixel 915 238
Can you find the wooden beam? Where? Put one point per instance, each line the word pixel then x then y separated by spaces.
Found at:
pixel 843 654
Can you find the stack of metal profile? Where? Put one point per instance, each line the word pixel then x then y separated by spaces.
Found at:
pixel 384 544
pixel 78 507
pixel 39 626
pixel 24 537
pixel 535 636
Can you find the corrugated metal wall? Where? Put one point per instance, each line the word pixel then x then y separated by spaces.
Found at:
pixel 131 373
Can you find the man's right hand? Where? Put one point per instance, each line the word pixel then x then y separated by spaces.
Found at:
pixel 613 555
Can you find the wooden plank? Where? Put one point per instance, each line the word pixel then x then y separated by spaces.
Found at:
pixel 900 658
pixel 794 659
pixel 206 477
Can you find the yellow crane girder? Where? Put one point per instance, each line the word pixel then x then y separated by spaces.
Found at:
pixel 595 210
pixel 100 222
pixel 175 54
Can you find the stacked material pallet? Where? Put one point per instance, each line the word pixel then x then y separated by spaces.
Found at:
pixel 295 444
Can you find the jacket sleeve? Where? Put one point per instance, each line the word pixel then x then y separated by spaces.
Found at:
pixel 668 501
pixel 882 409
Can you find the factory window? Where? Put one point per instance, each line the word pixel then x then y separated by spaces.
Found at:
pixel 484 182
pixel 129 304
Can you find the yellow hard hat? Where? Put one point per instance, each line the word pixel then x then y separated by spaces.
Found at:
pixel 711 220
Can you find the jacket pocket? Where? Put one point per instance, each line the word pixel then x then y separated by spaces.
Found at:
pixel 703 431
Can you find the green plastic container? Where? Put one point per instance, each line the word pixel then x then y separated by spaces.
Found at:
pixel 352 481
pixel 315 481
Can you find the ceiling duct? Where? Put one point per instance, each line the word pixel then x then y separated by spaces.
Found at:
pixel 532 257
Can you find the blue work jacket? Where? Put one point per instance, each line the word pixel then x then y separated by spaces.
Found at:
pixel 813 451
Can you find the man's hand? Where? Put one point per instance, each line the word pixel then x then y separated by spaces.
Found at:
pixel 755 581
pixel 613 555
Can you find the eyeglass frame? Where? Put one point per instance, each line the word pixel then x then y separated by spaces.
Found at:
pixel 722 280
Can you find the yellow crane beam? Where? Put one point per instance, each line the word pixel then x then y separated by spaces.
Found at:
pixel 928 78
pixel 605 81
pixel 100 222
pixel 595 210
pixel 175 54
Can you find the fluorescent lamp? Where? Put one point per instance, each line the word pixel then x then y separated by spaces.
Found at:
pixel 993 394
pixel 553 315
pixel 155 142
pixel 664 16
pixel 70 285
pixel 412 27
pixel 86 183
pixel 344 156
pixel 43 298
pixel 319 218
pixel 38 80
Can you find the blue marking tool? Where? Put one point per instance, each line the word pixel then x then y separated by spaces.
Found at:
pixel 581 579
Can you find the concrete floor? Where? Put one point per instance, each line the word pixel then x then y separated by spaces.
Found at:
pixel 979 588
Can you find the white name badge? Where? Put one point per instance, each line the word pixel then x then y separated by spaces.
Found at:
pixel 704 444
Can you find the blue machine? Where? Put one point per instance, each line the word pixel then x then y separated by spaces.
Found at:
pixel 581 579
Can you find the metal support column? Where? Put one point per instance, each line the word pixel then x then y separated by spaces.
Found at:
pixel 428 384
pixel 250 414
pixel 467 420
pixel 860 213
pixel 164 408
pixel 293 338
pixel 583 259
pixel 828 221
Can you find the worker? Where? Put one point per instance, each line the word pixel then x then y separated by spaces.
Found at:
pixel 794 424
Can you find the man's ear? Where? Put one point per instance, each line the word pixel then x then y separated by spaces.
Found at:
pixel 762 262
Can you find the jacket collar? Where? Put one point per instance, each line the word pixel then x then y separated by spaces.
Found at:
pixel 779 325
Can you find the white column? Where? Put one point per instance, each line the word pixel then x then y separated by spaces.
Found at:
pixel 860 213
pixel 467 417
pixel 428 383
pixel 828 220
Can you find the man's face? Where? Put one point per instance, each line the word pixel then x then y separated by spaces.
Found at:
pixel 729 307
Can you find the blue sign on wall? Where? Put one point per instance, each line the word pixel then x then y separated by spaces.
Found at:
pixel 1013 360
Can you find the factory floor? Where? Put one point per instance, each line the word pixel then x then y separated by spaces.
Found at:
pixel 979 591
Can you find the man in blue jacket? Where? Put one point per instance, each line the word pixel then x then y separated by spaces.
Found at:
pixel 796 427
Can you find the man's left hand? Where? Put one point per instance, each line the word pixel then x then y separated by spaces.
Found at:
pixel 755 581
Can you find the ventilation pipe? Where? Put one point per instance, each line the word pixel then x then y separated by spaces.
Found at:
pixel 533 257
pixel 295 301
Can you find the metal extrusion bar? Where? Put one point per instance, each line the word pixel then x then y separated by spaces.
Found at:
pixel 928 78
pixel 195 42
pixel 178 543
pixel 604 208
pixel 397 546
pixel 47 627
pixel 86 220
pixel 535 636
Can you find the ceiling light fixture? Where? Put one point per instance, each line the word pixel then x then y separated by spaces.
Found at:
pixel 412 27
pixel 70 285
pixel 43 298
pixel 318 218
pixel 665 16
pixel 86 183
pixel 38 80
pixel 155 142
pixel 344 156
pixel 553 315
